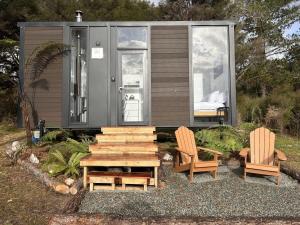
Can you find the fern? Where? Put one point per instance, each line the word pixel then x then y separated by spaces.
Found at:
pixel 75 146
pixel 56 135
pixel 73 164
pixel 64 158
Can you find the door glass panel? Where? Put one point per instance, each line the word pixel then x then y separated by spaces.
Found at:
pixel 132 37
pixel 132 85
pixel 78 75
pixel 210 73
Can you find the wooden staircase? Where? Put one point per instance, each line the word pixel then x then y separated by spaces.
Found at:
pixel 123 147
pixel 125 140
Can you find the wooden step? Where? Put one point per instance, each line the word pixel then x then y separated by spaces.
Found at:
pixel 106 148
pixel 101 138
pixel 128 130
pixel 138 160
pixel 119 174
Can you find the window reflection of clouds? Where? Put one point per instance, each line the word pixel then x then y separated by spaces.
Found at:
pixel 132 64
pixel 210 67
pixel 132 37
pixel 208 43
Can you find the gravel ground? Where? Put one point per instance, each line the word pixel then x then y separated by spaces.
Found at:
pixel 228 196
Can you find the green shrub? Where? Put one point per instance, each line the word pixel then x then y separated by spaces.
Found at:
pixel 64 157
pixel 224 139
pixel 56 135
pixel 61 165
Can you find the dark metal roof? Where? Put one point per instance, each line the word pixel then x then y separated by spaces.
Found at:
pixel 127 23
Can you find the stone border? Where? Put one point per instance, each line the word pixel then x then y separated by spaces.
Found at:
pixel 49 181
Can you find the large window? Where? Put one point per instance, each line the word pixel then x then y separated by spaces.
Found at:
pixel 210 73
pixel 78 76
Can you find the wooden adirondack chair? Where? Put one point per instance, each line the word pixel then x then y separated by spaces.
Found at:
pixel 188 152
pixel 263 157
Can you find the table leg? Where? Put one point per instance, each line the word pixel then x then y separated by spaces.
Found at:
pixel 155 176
pixel 85 170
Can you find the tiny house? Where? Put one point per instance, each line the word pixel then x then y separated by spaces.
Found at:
pixel 164 73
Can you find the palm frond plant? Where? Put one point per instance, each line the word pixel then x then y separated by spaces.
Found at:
pixel 56 135
pixel 64 157
pixel 37 62
pixel 61 165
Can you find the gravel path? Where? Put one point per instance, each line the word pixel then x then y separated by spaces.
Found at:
pixel 228 196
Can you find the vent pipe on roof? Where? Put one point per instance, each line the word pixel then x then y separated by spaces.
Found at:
pixel 78 16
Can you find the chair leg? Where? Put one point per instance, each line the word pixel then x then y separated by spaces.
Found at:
pixel 91 187
pixel 191 178
pixel 215 174
pixel 278 180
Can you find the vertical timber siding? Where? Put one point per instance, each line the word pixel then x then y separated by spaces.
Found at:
pixel 170 76
pixel 47 96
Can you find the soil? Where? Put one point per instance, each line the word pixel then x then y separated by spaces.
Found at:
pixel 23 199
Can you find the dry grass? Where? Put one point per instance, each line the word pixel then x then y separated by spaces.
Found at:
pixel 23 199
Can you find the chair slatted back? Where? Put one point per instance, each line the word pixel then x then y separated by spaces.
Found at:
pixel 262 146
pixel 186 142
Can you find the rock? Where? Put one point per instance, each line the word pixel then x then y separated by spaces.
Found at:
pixel 69 181
pixel 13 149
pixel 115 169
pixel 15 146
pixel 168 157
pixel 127 169
pixel 33 159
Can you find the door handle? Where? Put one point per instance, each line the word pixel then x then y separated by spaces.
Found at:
pixel 120 89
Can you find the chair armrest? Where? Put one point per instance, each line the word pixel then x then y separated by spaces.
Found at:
pixel 180 150
pixel 244 152
pixel 209 150
pixel 280 155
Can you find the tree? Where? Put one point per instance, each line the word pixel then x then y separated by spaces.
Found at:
pixel 96 10
pixel 13 11
pixel 260 37
pixel 194 9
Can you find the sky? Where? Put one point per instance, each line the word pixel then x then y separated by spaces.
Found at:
pixel 295 28
pixel 155 1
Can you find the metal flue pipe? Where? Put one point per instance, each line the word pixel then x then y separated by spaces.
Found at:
pixel 78 15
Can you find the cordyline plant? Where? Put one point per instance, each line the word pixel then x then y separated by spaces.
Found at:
pixel 37 62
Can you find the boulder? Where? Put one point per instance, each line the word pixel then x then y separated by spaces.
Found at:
pixel 168 157
pixel 13 149
pixel 33 159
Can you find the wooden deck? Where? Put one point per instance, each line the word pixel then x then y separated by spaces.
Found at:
pixel 122 147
